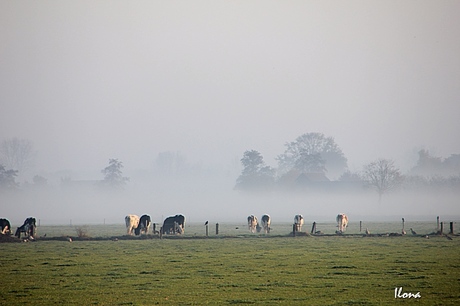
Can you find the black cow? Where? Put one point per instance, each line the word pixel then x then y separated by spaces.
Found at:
pixel 173 225
pixel 29 228
pixel 5 227
pixel 144 225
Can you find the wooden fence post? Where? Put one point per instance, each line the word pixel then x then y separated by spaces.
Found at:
pixel 294 229
pixel 313 228
pixel 207 230
pixel 437 223
pixel 360 225
pixel 161 232
pixel 217 228
pixel 451 228
pixel 442 228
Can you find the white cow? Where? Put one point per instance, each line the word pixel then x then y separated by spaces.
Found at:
pixel 298 221
pixel 266 220
pixel 342 222
pixel 252 223
pixel 132 221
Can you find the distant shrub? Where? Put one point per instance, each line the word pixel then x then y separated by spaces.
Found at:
pixel 82 232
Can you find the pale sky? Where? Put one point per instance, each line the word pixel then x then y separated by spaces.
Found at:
pixel 86 81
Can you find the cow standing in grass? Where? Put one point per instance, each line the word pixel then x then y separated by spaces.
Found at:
pixel 252 223
pixel 144 225
pixel 266 221
pixel 298 221
pixel 342 222
pixel 132 221
pixel 5 227
pixel 29 228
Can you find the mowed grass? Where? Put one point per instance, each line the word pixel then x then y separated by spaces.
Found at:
pixel 232 271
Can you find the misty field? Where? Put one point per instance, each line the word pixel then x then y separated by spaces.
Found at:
pixel 230 269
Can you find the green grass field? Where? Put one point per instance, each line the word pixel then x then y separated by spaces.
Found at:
pixel 245 269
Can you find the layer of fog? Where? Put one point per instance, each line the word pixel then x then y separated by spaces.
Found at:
pixel 213 199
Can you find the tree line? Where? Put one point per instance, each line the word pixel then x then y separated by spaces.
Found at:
pixel 18 155
pixel 312 159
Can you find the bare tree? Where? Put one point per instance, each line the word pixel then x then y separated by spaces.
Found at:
pixel 383 176
pixel 8 178
pixel 17 154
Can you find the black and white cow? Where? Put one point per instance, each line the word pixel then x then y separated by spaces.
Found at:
pixel 29 228
pixel 5 227
pixel 252 223
pixel 174 225
pixel 298 221
pixel 266 221
pixel 132 221
pixel 144 225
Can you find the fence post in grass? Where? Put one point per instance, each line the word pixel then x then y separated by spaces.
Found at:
pixel 207 230
pixel 161 232
pixel 217 228
pixel 294 229
pixel 313 228
pixel 437 223
pixel 360 225
pixel 451 228
pixel 442 228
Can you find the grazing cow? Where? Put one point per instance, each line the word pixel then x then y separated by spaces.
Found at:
pixel 173 225
pixel 403 232
pixel 28 228
pixel 144 225
pixel 252 223
pixel 132 221
pixel 5 227
pixel 298 221
pixel 266 220
pixel 342 222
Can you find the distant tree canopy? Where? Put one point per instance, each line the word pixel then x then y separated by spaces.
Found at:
pixel 39 180
pixel 313 152
pixel 170 163
pixel 383 176
pixel 255 174
pixel 428 165
pixel 349 176
pixel 17 154
pixel 8 178
pixel 113 176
